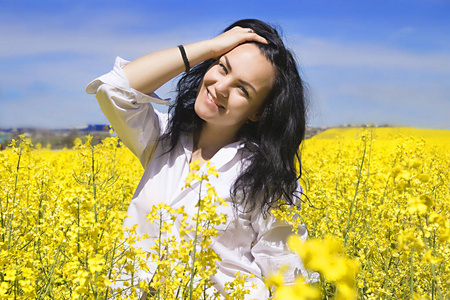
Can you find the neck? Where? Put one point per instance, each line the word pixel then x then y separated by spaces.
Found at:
pixel 211 139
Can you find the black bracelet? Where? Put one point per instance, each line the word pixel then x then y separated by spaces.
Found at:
pixel 185 59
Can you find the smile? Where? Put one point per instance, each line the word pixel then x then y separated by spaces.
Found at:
pixel 214 101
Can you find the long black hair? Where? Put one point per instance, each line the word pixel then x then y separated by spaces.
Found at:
pixel 273 141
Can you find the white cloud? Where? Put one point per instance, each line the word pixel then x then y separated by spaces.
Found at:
pixel 322 52
pixel 411 95
pixel 91 34
pixel 369 82
pixel 65 58
pixel 22 43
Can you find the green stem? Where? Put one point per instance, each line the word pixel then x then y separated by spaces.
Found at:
pixel 14 197
pixel 411 274
pixel 191 283
pixel 94 192
pixel 356 193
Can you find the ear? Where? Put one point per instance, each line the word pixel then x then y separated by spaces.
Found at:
pixel 255 117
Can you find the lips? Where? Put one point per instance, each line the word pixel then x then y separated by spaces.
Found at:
pixel 210 97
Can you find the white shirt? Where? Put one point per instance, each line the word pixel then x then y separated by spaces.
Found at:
pixel 248 242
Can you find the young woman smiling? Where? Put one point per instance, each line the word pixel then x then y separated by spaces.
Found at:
pixel 242 108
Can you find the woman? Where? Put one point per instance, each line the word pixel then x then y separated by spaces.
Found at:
pixel 242 108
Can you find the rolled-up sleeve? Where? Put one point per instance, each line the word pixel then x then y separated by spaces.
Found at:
pixel 129 111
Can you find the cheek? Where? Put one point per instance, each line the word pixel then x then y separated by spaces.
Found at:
pixel 201 92
pixel 209 75
pixel 197 106
pixel 241 109
pixel 200 108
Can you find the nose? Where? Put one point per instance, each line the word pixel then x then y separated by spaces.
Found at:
pixel 222 88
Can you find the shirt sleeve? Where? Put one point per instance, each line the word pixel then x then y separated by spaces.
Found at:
pixel 271 252
pixel 129 111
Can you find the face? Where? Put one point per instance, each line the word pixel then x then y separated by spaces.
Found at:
pixel 233 90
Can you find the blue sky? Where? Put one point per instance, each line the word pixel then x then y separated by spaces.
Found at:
pixel 364 61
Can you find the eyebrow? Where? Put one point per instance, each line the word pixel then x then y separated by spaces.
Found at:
pixel 241 81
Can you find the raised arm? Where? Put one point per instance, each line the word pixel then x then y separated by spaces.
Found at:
pixel 123 93
pixel 148 73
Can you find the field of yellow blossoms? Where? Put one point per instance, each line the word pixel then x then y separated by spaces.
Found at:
pixel 376 206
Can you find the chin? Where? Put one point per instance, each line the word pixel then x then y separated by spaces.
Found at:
pixel 199 112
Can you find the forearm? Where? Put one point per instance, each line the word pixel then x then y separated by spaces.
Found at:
pixel 148 73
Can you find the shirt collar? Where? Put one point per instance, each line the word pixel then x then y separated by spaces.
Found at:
pixel 221 158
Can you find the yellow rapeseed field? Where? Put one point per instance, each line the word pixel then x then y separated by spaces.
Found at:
pixel 376 206
pixel 384 194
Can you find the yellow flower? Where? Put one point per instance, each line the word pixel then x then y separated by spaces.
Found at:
pixel 4 287
pixel 129 268
pixel 327 258
pixel 66 209
pixel 417 296
pixel 195 165
pixel 27 272
pixel 402 185
pixel 444 235
pixel 404 175
pixel 436 218
pixel 396 171
pixel 191 177
pixel 416 205
pixel 77 142
pixel 299 291
pixel 429 258
pixel 96 264
pixel 211 170
pixel 211 191
pixel 415 164
pixel 289 214
pixel 10 275
pixel 275 279
pixel 423 177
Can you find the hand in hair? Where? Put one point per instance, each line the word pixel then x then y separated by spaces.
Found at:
pixel 151 71
pixel 232 38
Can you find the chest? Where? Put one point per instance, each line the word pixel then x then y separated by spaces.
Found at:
pixel 164 181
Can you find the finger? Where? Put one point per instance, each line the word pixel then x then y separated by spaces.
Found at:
pixel 255 37
pixel 260 39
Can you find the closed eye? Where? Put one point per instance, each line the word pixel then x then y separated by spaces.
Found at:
pixel 223 68
pixel 244 91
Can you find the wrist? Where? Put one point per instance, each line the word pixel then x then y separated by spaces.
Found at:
pixel 187 65
pixel 199 52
